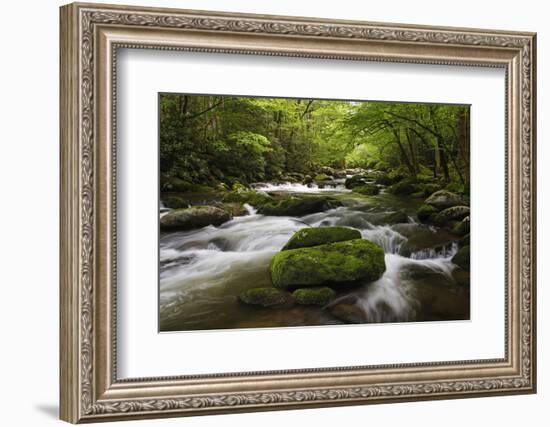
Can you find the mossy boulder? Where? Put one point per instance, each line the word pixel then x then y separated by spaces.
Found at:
pixel 335 264
pixel 320 177
pixel 388 179
pixel 456 213
pixel 313 296
pixel 462 258
pixel 399 217
pixel 234 208
pixel 444 199
pixel 266 297
pixel 425 213
pixel 358 180
pixel 298 206
pixel 253 198
pixel 367 189
pixel 195 217
pixel 405 187
pixel 315 236
pixel 462 228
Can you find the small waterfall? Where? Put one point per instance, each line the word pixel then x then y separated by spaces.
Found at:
pixel 390 240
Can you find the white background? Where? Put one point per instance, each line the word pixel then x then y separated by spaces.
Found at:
pixel 145 353
pixel 29 171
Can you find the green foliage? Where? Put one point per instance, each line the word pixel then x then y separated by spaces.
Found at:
pixel 209 140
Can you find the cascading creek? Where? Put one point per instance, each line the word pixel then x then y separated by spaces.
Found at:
pixel 203 271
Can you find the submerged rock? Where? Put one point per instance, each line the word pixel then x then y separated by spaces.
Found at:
pixel 367 189
pixel 195 217
pixel 462 258
pixel 313 296
pixel 348 313
pixel 340 263
pixel 444 199
pixel 266 297
pixel 315 236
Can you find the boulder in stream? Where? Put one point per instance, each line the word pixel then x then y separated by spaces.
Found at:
pixel 315 236
pixel 298 206
pixel 367 189
pixel 462 258
pixel 194 217
pixel 456 213
pixel 335 264
pixel 444 199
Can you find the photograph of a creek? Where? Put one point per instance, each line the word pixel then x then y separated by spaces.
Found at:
pixel 278 212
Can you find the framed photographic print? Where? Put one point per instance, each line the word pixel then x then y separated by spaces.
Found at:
pixel 265 212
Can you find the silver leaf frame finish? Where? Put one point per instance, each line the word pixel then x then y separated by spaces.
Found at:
pixel 90 36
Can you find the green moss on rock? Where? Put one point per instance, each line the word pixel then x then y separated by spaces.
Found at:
pixel 367 189
pixel 266 297
pixel 426 212
pixel 313 296
pixel 298 206
pixel 253 198
pixel 462 258
pixel 405 187
pixel 320 177
pixel 339 263
pixel 315 236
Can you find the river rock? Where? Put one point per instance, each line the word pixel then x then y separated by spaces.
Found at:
pixel 456 213
pixel 266 297
pixel 367 189
pixel 253 198
pixel 322 177
pixel 462 258
pixel 404 187
pixel 315 236
pixel 313 296
pixel 335 264
pixel 298 206
pixel 444 199
pixel 195 217
pixel 357 181
pixel 462 228
pixel 426 213
pixel 399 217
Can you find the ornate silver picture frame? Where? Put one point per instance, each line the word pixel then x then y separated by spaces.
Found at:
pixel 91 390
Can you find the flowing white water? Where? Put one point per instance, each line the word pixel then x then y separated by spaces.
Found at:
pixel 288 187
pixel 199 267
